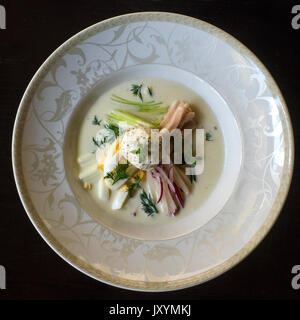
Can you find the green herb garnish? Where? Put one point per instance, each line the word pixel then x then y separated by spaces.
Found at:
pixel 141 151
pixel 148 204
pixel 96 121
pixel 138 151
pixel 137 90
pixel 103 141
pixel 193 177
pixel 113 127
pixel 118 173
pixel 134 186
pixel 99 143
pixel 208 136
pixel 150 91
pixel 96 143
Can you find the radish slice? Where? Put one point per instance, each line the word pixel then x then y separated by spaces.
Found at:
pixel 179 181
pixel 178 196
pixel 155 187
pixel 161 190
pixel 169 199
pixel 173 213
pixel 163 205
pixel 169 192
pixel 165 177
pixel 177 189
pixel 173 187
pixel 171 174
pixel 184 177
pixel 155 175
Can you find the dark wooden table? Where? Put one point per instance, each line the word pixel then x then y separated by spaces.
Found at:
pixel 34 30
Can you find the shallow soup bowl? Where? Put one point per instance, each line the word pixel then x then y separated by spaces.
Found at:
pixel 258 151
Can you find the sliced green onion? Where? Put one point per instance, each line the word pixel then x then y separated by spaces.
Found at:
pixel 161 110
pixel 150 106
pixel 118 115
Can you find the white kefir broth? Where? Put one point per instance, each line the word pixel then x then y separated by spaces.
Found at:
pixel 163 91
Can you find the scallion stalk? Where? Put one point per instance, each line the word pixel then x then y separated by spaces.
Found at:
pixel 131 119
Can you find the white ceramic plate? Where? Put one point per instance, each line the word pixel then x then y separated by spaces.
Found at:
pixel 247 103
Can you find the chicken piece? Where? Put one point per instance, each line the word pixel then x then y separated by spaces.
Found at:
pixel 187 118
pixel 178 115
pixel 176 118
pixel 192 124
pixel 170 112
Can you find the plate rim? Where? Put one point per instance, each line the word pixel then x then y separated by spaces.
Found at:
pixel 114 280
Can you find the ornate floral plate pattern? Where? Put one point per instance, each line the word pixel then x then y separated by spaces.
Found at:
pixel 166 39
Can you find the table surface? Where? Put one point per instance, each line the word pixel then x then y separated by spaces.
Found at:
pixel 34 30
